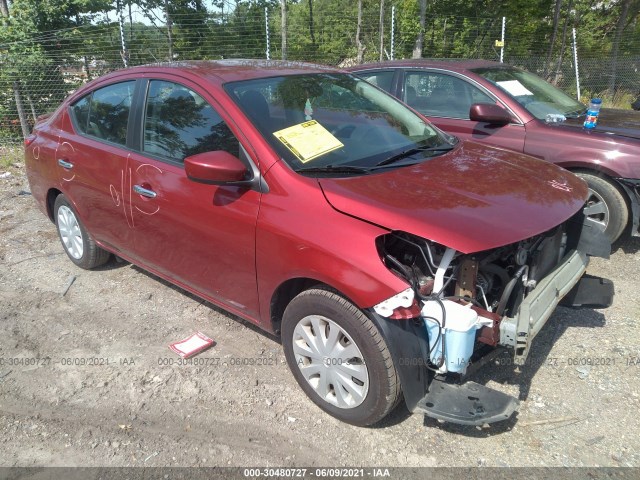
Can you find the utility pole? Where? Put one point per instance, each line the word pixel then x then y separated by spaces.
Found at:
pixel 502 40
pixel 266 30
pixel 575 63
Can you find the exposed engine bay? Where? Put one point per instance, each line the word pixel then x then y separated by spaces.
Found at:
pixel 461 309
pixel 495 280
pixel 491 283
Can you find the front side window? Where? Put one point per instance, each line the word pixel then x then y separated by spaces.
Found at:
pixel 441 95
pixel 533 93
pixel 180 123
pixel 104 114
pixel 335 121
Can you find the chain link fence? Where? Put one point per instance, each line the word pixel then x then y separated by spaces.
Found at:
pixel 39 72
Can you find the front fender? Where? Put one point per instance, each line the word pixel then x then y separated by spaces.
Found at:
pixel 572 148
pixel 304 237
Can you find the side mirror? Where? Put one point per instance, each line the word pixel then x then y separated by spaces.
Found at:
pixel 217 168
pixel 489 113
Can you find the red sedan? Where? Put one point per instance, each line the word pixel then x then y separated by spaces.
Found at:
pixel 387 255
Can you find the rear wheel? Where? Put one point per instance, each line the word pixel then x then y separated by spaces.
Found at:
pixel 606 206
pixel 339 358
pixel 79 246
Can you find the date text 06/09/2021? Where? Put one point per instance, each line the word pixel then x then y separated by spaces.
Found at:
pixel 324 472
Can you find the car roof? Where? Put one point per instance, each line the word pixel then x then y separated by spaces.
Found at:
pixel 223 71
pixel 452 64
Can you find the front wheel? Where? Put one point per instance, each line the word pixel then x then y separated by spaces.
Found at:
pixel 606 207
pixel 78 245
pixel 339 358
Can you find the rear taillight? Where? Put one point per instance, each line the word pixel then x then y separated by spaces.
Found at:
pixel 29 140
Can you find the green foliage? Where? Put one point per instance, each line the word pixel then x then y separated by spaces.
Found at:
pixel 10 155
pixel 334 27
pixel 49 47
pixel 621 98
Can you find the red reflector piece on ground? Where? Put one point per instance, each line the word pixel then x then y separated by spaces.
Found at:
pixel 192 345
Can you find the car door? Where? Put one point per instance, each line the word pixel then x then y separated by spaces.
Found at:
pixel 92 158
pixel 201 236
pixel 446 99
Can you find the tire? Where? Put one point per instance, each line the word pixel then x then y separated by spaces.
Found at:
pixel 78 245
pixel 606 206
pixel 359 361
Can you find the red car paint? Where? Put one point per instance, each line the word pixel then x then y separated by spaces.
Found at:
pixel 483 189
pixel 239 248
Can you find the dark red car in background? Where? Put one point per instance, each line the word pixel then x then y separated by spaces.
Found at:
pixel 324 210
pixel 507 107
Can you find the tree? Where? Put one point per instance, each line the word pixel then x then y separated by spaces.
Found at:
pixel 311 33
pixel 621 25
pixel 564 42
pixel 168 17
pixel 13 68
pixel 283 12
pixel 556 19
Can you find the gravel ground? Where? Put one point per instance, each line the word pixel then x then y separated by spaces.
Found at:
pixel 94 386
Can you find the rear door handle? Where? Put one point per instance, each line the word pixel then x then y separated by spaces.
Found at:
pixel 64 164
pixel 140 190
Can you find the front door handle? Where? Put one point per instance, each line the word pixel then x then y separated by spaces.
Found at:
pixel 64 164
pixel 145 192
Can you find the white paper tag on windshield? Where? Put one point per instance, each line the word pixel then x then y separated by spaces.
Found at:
pixel 515 88
pixel 308 140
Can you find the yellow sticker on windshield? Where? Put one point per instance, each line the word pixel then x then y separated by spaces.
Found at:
pixel 308 140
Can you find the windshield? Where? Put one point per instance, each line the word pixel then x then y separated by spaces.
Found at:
pixel 336 123
pixel 540 98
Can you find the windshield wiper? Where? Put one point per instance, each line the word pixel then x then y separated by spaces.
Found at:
pixel 445 147
pixel 577 113
pixel 348 169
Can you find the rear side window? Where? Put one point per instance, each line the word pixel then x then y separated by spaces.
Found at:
pixel 104 114
pixel 109 113
pixel 382 79
pixel 180 123
pixel 81 113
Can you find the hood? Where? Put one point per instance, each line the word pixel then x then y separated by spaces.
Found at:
pixel 471 199
pixel 625 123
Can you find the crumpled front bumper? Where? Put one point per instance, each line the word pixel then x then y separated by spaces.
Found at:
pixel 443 397
pixel 519 331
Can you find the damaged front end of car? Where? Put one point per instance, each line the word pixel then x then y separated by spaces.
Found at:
pixel 463 309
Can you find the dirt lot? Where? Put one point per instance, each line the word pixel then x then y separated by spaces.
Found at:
pixel 93 384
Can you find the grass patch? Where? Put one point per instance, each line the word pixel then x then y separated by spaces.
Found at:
pixel 620 99
pixel 10 155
